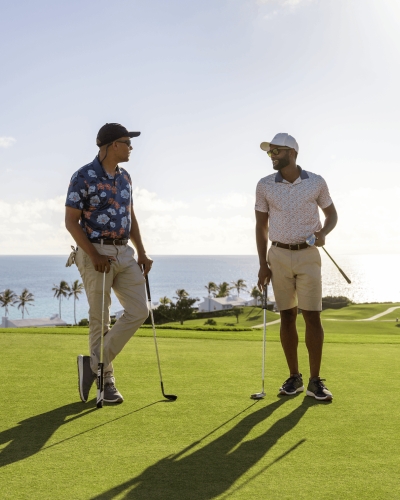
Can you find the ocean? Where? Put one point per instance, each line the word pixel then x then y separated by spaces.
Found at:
pixel 375 278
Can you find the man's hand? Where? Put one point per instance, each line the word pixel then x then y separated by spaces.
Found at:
pixel 145 263
pixel 319 238
pixel 102 262
pixel 264 276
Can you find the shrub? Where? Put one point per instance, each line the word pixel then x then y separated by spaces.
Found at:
pixel 210 322
pixel 335 302
pixel 83 322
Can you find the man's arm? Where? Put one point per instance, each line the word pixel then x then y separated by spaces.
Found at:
pixel 136 239
pixel 330 222
pixel 264 274
pixel 100 262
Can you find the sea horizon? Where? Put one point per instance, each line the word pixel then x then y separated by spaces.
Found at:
pixel 373 279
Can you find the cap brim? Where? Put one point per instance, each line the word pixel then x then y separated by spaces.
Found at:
pixel 265 146
pixel 133 134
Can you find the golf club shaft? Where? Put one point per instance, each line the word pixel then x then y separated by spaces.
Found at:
pixel 265 300
pixel 341 272
pixel 171 397
pixel 100 369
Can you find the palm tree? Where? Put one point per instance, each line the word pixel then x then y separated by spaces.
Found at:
pixel 165 301
pixel 7 299
pixel 75 290
pixel 256 294
pixel 223 289
pixel 181 294
pixel 23 300
pixel 61 291
pixel 211 288
pixel 239 285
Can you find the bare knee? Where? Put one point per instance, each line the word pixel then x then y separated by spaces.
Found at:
pixel 312 318
pixel 288 316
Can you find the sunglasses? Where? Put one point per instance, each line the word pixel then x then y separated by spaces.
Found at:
pixel 275 151
pixel 128 142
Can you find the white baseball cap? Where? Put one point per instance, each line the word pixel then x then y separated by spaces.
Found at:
pixel 281 139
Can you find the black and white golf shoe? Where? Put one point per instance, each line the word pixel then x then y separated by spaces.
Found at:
pixel 292 385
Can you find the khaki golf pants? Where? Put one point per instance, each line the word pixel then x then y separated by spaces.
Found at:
pixel 128 283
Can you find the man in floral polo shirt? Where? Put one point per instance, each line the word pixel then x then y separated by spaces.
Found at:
pixel 286 209
pixel 100 217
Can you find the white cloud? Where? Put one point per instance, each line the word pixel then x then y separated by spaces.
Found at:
pixel 33 227
pixel 196 235
pixel 284 3
pixel 6 142
pixel 231 201
pixel 281 6
pixel 367 224
pixel 149 202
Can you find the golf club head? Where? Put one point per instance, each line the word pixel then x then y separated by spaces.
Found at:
pixel 258 395
pixel 170 397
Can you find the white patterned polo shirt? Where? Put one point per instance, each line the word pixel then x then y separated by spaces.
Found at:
pixel 292 207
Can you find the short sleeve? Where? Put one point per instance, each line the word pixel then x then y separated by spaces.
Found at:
pixel 77 192
pixel 324 198
pixel 261 199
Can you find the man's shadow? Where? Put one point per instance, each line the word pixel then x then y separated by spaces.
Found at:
pixel 30 435
pixel 211 470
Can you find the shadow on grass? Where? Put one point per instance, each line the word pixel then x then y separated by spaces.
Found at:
pixel 211 470
pixel 30 436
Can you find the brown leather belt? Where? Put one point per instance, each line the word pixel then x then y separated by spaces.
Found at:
pixel 293 246
pixel 110 241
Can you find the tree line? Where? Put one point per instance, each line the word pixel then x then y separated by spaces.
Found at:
pixel 8 298
pixel 223 289
pixel 182 309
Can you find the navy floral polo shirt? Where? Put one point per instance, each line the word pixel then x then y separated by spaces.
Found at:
pixel 105 201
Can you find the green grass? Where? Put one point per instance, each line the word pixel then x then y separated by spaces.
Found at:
pixel 359 311
pixel 213 442
pixel 251 316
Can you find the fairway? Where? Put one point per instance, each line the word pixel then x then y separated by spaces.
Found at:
pixel 213 442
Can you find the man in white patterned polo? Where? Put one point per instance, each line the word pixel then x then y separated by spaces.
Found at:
pixel 287 212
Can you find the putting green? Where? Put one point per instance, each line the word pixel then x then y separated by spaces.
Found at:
pixel 213 442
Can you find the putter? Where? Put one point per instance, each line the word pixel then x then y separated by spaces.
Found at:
pixel 170 397
pixel 100 366
pixel 261 395
pixel 311 240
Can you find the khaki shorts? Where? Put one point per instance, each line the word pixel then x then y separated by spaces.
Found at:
pixel 296 278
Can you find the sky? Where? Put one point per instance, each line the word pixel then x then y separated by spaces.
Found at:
pixel 205 82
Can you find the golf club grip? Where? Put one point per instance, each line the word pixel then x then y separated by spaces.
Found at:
pixel 147 287
pixel 265 299
pixel 344 276
pixel 340 271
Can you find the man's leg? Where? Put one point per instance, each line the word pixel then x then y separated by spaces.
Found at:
pixel 93 283
pixel 290 339
pixel 284 285
pixel 129 287
pixel 314 340
pixel 309 290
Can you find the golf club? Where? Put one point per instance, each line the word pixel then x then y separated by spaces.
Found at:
pixel 171 397
pixel 311 240
pixel 261 395
pixel 100 368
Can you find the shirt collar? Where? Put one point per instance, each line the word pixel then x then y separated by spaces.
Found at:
pixel 303 175
pixel 99 169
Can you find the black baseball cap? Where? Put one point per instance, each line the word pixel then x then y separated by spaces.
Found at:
pixel 110 132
